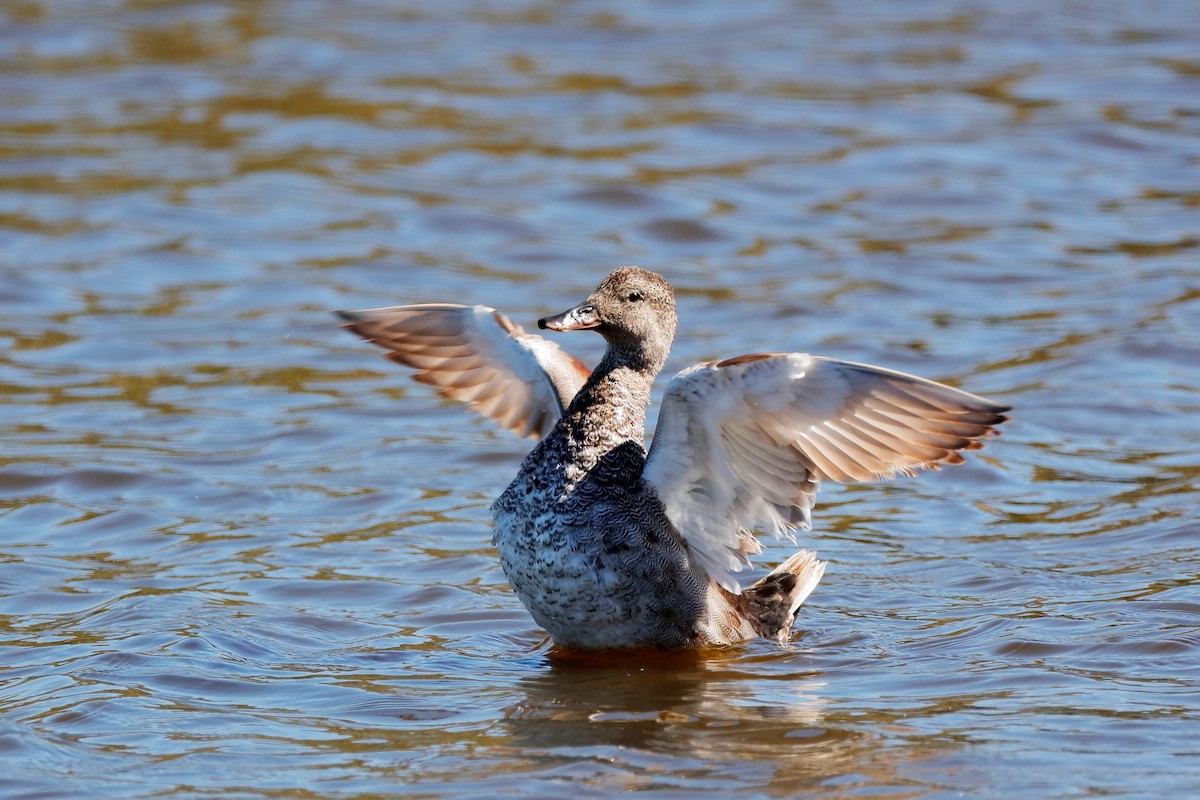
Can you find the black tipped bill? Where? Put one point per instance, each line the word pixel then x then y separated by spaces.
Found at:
pixel 575 319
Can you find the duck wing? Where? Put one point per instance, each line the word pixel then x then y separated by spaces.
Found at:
pixel 751 438
pixel 478 355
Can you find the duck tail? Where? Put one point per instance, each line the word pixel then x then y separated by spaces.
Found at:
pixel 775 600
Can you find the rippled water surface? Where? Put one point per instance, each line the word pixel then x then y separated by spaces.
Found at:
pixel 241 554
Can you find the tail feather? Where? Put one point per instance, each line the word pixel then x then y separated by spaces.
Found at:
pixel 775 600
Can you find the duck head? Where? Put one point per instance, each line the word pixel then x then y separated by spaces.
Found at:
pixel 634 310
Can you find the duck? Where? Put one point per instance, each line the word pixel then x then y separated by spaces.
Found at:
pixel 613 545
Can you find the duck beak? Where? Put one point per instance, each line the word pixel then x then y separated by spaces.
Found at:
pixel 575 319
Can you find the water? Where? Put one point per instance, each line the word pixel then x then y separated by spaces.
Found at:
pixel 242 555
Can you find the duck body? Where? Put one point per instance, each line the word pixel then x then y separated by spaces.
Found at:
pixel 613 546
pixel 584 541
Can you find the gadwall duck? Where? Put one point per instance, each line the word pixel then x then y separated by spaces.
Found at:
pixel 613 547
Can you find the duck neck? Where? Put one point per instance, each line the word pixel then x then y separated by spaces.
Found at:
pixel 607 413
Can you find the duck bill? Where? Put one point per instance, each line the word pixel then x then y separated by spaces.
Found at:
pixel 575 319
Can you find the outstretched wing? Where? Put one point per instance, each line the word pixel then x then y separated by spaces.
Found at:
pixel 751 438
pixel 478 355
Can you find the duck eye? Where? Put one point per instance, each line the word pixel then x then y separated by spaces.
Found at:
pixel 635 296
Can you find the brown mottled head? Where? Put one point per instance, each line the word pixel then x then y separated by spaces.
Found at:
pixel 634 310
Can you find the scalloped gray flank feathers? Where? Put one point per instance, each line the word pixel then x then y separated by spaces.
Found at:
pixel 613 547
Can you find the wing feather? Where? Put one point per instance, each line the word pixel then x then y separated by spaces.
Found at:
pixel 479 356
pixel 750 439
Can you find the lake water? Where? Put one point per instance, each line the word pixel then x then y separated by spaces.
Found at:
pixel 243 555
